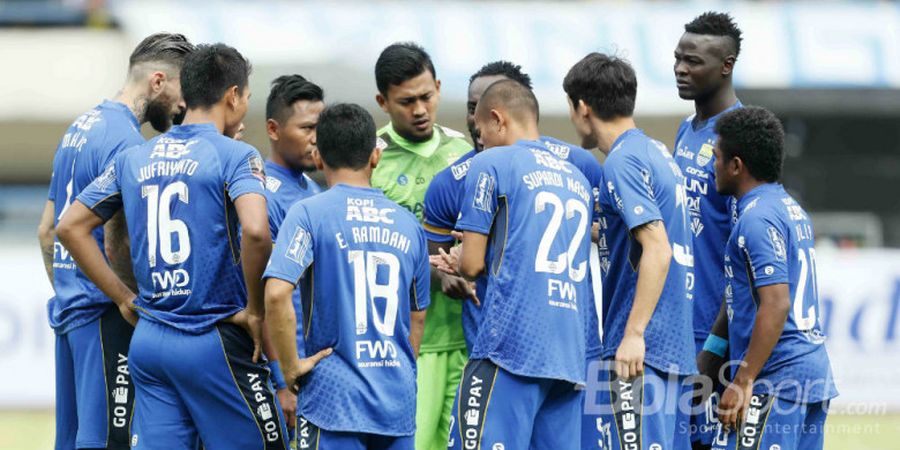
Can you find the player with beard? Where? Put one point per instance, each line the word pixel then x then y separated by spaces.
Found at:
pixel 414 149
pixel 292 112
pixel 92 411
pixel 704 66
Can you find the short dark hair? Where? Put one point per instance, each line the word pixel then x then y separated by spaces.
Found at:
pixel 169 48
pixel 399 62
pixel 716 24
pixel 514 96
pixel 209 71
pixel 505 68
pixel 345 136
pixel 606 83
pixel 287 90
pixel 755 135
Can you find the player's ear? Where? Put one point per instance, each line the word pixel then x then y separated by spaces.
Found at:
pixel 374 158
pixel 382 102
pixel 317 160
pixel 437 86
pixel 728 65
pixel 498 118
pixel 231 97
pixel 583 109
pixel 272 129
pixel 157 82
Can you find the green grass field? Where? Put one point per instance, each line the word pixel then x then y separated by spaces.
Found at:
pixel 33 430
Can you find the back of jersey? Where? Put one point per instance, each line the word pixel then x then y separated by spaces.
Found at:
pixel 368 269
pixel 178 192
pixel 89 145
pixel 536 208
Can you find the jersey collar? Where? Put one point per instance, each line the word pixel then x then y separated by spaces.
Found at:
pixel 124 110
pixel 296 175
pixel 424 149
pixel 755 193
pixel 621 139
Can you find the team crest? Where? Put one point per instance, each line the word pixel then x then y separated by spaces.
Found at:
pixel 256 168
pixel 705 155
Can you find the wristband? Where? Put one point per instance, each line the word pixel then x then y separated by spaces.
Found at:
pixel 715 345
pixel 277 376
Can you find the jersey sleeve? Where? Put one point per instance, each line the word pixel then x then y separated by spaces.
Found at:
pixel 421 289
pixel 244 173
pixel 593 171
pixel 276 215
pixel 763 243
pixel 629 182
pixel 51 191
pixel 479 203
pixel 103 196
pixel 441 211
pixel 293 251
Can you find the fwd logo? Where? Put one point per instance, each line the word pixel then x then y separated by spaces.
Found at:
pixel 376 349
pixel 170 279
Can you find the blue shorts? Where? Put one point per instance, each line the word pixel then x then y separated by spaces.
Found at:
pixel 776 423
pixel 495 409
pixel 94 394
pixel 311 437
pixel 704 422
pixel 202 387
pixel 638 414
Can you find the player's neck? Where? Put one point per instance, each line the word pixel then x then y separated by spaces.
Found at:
pixel 135 99
pixel 213 115
pixel 716 103
pixel 350 177
pixel 607 131
pixel 279 161
pixel 746 186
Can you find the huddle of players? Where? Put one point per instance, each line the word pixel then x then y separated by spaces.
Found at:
pixel 349 274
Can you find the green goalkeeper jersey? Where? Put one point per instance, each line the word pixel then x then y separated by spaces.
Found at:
pixel 404 173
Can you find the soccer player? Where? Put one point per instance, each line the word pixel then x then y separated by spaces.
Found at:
pixel 526 219
pixel 186 194
pixel 414 149
pixel 782 381
pixel 645 250
pixel 292 112
pixel 442 200
pixel 368 273
pixel 704 64
pixel 94 396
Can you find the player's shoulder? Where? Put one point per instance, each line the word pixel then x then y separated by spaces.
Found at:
pixel 452 143
pixel 455 171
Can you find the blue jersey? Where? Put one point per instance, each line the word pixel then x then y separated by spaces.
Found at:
pixel 368 268
pixel 772 243
pixel 89 145
pixel 642 184
pixel 284 187
pixel 709 214
pixel 178 192
pixel 536 210
pixel 443 204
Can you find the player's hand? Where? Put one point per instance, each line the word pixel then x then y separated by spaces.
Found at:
pixel 305 366
pixel 253 325
pixel 288 402
pixel 458 288
pixel 734 403
pixel 630 356
pixel 709 365
pixel 128 312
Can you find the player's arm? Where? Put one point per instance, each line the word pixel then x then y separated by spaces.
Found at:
pixel 46 235
pixel 471 260
pixel 774 306
pixel 656 255
pixel 451 285
pixel 256 247
pixel 420 294
pixel 74 231
pixel 118 249
pixel 416 330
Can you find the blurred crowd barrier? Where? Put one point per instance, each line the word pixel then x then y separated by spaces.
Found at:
pixel 859 292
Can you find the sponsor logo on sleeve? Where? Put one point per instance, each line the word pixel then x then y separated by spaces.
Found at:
pixel 299 246
pixel 484 192
pixel 256 168
pixel 106 178
pixel 778 245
